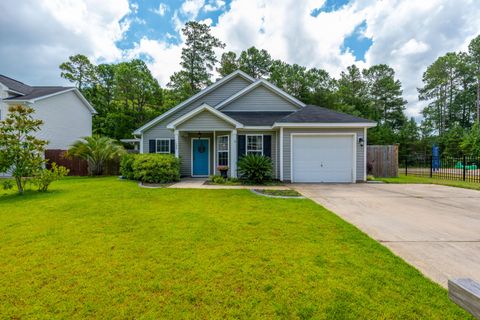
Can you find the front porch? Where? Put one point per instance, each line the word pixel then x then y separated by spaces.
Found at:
pixel 202 152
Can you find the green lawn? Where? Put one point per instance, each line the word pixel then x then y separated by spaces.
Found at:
pixel 105 248
pixel 426 180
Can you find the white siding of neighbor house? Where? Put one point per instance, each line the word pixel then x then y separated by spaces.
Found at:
pixel 213 98
pixel 260 99
pixel 66 119
pixel 360 157
pixel 3 106
pixel 205 120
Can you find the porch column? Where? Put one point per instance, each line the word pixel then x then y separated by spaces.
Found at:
pixel 176 143
pixel 281 154
pixel 233 152
pixel 214 153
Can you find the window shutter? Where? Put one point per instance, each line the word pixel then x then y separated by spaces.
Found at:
pixel 267 146
pixel 152 146
pixel 241 147
pixel 172 146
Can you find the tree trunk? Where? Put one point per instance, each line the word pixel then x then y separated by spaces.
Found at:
pixel 18 180
pixel 478 99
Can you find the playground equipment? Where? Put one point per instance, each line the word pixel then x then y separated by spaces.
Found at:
pixel 459 165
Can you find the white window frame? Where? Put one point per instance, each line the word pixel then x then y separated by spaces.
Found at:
pixel 227 150
pixel 169 145
pixel 246 144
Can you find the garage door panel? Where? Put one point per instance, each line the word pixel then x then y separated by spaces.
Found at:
pixel 324 158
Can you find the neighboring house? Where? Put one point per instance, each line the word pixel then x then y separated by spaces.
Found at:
pixel 66 114
pixel 240 115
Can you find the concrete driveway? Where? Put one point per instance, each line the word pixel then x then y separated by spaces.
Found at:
pixel 434 228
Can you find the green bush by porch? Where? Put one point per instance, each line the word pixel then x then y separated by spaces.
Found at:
pixel 256 169
pixel 155 168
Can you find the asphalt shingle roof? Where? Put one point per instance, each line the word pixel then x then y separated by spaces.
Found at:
pixel 257 118
pixel 38 92
pixel 29 92
pixel 311 113
pixel 15 85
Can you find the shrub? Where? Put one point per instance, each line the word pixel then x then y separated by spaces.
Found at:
pixel 7 185
pixel 255 168
pixel 156 168
pixel 126 166
pixel 218 179
pixel 45 177
pixel 369 168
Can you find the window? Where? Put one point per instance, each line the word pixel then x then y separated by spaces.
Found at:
pixel 255 144
pixel 222 150
pixel 163 146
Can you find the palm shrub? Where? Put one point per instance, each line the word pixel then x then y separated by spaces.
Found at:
pixel 255 168
pixel 96 150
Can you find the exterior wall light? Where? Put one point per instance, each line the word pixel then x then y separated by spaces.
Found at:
pixel 361 142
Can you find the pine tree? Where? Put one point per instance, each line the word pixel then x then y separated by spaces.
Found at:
pixel 198 59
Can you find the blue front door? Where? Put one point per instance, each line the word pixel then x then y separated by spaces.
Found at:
pixel 200 157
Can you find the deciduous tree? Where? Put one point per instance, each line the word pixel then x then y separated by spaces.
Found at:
pixel 21 152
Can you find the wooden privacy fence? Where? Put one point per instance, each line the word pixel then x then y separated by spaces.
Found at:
pixel 77 167
pixel 382 161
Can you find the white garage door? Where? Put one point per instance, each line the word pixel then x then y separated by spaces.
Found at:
pixel 322 158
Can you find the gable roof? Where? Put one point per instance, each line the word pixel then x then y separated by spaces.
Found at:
pixel 15 85
pixel 204 107
pixel 38 92
pixel 261 118
pixel 316 114
pixel 256 84
pixel 30 94
pixel 193 98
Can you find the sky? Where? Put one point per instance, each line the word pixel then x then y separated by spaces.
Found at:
pixel 37 35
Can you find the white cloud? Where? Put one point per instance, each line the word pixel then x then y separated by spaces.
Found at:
pixel 412 46
pixel 134 7
pixel 214 5
pixel 410 35
pixel 407 34
pixel 191 8
pixel 161 10
pixel 288 31
pixel 165 57
pixel 39 35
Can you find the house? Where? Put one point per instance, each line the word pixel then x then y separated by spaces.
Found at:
pixel 240 115
pixel 66 114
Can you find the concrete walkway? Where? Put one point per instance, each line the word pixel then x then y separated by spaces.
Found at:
pixel 198 183
pixel 434 228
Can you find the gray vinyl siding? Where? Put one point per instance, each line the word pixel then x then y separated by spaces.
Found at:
pixel 185 152
pixel 275 135
pixel 213 98
pixel 260 99
pixel 360 166
pixel 205 120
